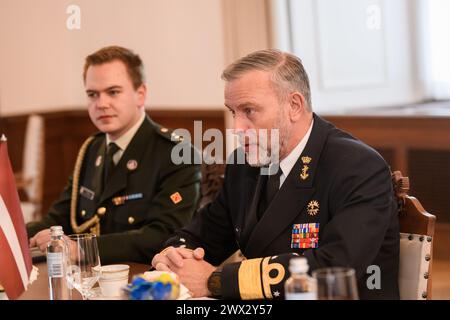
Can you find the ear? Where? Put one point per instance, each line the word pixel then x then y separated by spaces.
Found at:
pixel 141 93
pixel 297 106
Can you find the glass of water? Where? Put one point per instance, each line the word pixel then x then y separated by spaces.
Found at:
pixel 336 283
pixel 84 266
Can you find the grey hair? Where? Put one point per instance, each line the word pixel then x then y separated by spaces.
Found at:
pixel 287 72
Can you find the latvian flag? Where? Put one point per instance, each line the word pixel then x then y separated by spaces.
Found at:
pixel 15 259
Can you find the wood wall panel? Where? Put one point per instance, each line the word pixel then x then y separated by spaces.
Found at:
pixel 66 131
pixel 431 172
pixel 419 146
pixel 14 129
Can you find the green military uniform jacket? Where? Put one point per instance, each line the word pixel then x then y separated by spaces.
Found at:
pixel 146 199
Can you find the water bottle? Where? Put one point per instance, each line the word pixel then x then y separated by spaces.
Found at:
pixel 299 286
pixel 57 263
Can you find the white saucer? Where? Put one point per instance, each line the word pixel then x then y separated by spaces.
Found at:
pixel 97 295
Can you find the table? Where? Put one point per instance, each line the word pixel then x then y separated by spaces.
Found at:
pixel 38 290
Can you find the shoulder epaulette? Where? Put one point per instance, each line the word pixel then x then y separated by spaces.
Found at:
pixel 169 134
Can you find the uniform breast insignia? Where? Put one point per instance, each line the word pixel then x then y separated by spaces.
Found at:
pixel 176 197
pixel 313 208
pixel 122 199
pixel 304 172
pixel 98 161
pixel 87 193
pixel 305 236
pixel 132 165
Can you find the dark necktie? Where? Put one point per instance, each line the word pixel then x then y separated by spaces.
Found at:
pixel 269 192
pixel 109 162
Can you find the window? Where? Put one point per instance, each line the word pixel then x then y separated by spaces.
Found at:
pixel 368 53
pixel 437 51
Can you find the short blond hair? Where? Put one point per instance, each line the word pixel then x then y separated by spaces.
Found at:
pixel 287 72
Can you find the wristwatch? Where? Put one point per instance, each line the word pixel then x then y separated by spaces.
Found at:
pixel 215 283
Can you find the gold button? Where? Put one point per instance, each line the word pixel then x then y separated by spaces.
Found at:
pixel 164 130
pixel 130 220
pixel 83 213
pixel 101 211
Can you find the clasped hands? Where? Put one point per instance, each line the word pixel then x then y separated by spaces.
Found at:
pixel 192 270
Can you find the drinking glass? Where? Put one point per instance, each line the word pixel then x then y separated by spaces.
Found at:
pixel 84 266
pixel 336 283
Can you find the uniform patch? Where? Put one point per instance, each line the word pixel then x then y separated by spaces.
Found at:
pixel 305 236
pixel 176 197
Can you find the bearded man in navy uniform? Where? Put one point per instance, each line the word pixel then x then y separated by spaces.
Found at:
pixel 125 187
pixel 329 199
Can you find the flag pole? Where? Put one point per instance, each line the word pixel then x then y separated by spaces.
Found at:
pixel 1 117
pixel 2 290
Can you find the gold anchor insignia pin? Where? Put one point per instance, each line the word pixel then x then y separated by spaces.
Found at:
pixel 313 208
pixel 304 174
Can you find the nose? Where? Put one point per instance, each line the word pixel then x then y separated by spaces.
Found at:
pixel 246 132
pixel 240 125
pixel 102 101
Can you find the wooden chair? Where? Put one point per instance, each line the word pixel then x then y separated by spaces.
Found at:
pixel 416 243
pixel 212 181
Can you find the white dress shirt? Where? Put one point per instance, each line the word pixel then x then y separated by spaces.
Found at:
pixel 288 163
pixel 124 140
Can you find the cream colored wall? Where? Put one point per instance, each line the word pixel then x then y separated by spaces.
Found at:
pixel 182 43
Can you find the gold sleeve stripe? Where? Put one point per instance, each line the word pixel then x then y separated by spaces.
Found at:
pixel 249 277
pixel 267 280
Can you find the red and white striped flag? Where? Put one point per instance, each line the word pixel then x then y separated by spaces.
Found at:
pixel 15 258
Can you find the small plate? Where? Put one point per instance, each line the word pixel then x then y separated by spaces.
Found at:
pixel 97 295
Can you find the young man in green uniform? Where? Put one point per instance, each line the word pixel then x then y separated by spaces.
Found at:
pixel 125 188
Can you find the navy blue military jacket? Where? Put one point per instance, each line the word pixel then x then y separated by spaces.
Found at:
pixel 145 200
pixel 336 207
